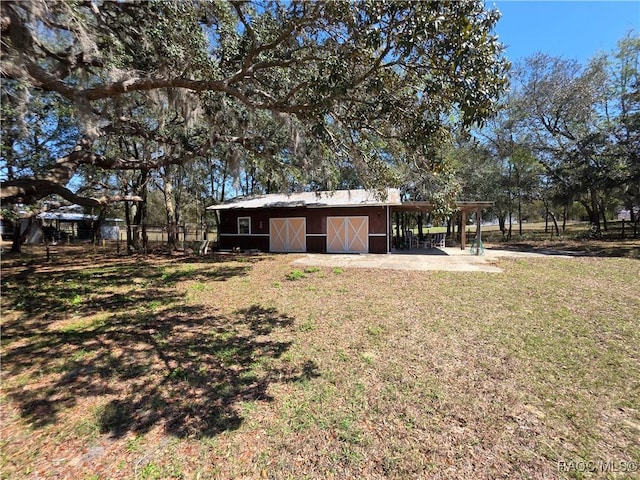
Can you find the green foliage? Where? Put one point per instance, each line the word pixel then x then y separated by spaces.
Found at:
pixel 151 471
pixel 294 275
pixel 375 330
pixel 261 93
pixel 564 137
pixel 308 326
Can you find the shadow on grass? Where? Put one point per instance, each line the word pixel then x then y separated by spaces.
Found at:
pixel 218 257
pixel 44 294
pixel 126 343
pixel 584 248
pixel 179 368
pixel 576 241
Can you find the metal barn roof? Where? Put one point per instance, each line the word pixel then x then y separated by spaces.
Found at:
pixel 337 198
pixel 73 217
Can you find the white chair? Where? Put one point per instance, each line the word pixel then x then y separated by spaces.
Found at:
pixel 438 240
pixel 412 240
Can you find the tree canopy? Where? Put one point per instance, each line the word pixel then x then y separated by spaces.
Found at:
pixel 564 142
pixel 296 89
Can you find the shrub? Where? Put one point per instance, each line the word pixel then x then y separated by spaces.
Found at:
pixel 295 275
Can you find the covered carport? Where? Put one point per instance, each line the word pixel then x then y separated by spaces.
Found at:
pixel 466 209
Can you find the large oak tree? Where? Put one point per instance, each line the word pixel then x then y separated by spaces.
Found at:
pixel 181 78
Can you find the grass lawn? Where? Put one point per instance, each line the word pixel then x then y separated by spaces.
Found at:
pixel 244 367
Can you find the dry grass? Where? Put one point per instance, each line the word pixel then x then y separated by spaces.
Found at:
pixel 241 367
pixel 578 238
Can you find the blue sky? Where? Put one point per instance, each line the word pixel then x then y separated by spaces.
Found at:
pixel 571 29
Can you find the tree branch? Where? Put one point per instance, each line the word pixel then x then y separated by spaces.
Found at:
pixel 29 190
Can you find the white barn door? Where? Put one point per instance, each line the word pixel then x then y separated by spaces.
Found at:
pixel 347 234
pixel 288 234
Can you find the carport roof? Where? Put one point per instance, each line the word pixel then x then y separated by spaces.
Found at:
pixel 337 198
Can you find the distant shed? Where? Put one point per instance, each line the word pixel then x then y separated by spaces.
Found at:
pixel 64 225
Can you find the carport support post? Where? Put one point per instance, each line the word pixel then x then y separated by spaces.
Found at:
pixel 389 229
pixel 478 230
pixel 463 228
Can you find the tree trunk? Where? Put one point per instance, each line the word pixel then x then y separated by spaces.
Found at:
pixel 510 214
pixel 546 218
pixel 136 233
pixel 127 217
pixel 555 223
pixel 603 212
pixel 633 218
pixel 502 220
pixel 519 216
pixel 20 237
pixel 172 221
pixel 223 184
pixel 145 236
pixel 595 214
pixel 139 239
pixel 548 214
pixel 96 234
pixel 510 204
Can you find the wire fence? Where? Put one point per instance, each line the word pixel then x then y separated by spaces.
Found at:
pixel 159 234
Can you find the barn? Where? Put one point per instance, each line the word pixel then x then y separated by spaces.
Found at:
pixel 341 221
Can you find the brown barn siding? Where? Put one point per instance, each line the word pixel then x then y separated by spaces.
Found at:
pixel 245 242
pixel 377 244
pixel 229 221
pixel 316 224
pixel 377 217
pixel 316 244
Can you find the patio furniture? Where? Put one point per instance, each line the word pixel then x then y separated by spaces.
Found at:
pixel 426 241
pixel 204 247
pixel 438 240
pixel 477 247
pixel 412 240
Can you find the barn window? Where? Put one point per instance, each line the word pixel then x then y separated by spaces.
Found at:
pixel 244 225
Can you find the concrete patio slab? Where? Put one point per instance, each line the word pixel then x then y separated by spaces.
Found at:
pixel 444 259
